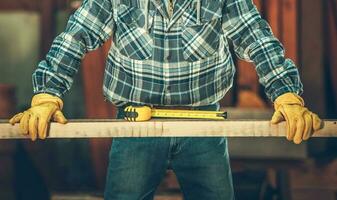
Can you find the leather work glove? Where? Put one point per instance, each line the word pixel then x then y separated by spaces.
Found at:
pixel 34 121
pixel 301 123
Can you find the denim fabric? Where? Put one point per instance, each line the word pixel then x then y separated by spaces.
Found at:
pixel 137 166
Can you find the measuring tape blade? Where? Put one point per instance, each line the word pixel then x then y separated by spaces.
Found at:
pixel 189 114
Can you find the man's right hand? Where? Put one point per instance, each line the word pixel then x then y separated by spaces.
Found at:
pixel 34 121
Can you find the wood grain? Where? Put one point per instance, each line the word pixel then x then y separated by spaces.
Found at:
pixel 167 128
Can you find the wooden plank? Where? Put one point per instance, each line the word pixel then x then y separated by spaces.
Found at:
pixel 164 128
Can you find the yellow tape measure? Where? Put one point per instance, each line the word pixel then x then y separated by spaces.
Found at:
pixel 144 113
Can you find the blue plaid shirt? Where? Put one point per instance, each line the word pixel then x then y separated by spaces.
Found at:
pixel 157 59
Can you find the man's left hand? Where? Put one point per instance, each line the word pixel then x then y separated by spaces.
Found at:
pixel 301 123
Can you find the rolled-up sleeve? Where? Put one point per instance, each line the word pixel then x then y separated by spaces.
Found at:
pixel 87 29
pixel 254 41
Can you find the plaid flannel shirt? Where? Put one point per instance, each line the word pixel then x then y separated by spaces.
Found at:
pixel 161 60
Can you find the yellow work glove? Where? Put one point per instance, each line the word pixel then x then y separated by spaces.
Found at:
pixel 34 121
pixel 301 123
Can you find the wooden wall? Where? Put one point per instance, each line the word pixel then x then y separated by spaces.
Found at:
pixel 330 19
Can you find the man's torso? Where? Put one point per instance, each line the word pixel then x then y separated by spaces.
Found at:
pixel 163 59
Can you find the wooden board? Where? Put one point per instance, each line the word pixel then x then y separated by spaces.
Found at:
pixel 167 128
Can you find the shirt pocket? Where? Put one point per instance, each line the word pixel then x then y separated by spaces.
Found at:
pixel 132 36
pixel 201 31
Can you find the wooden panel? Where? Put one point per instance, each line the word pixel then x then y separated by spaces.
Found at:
pixel 92 73
pixel 47 30
pixel 229 98
pixel 250 99
pixel 312 58
pixel 274 16
pixel 314 181
pixel 28 5
pixel 315 176
pixel 313 194
pixel 47 9
pixel 164 128
pixel 248 78
pixel 331 47
pixel 7 100
pixel 258 4
pixel 19 5
pixel 290 28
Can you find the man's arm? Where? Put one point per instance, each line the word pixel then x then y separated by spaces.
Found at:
pixel 87 29
pixel 254 42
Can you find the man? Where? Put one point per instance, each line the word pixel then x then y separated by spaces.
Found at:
pixel 168 54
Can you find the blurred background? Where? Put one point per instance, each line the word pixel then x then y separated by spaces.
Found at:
pixel 263 168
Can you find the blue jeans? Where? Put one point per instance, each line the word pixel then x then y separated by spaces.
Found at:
pixel 137 166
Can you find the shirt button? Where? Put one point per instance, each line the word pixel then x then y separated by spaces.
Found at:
pixel 168 88
pixel 168 57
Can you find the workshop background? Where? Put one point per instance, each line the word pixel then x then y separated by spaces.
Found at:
pixel 263 168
